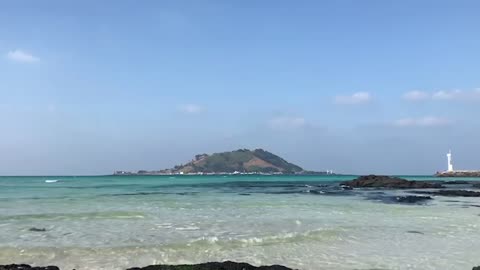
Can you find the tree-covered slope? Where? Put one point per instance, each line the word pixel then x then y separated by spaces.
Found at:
pixel 242 160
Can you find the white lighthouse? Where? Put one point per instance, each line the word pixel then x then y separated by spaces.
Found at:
pixel 449 161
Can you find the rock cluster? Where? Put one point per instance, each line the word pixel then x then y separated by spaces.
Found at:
pixel 381 181
pixel 202 266
pixel 26 267
pixel 213 266
pixel 452 193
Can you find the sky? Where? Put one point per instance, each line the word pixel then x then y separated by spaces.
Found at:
pixel 89 87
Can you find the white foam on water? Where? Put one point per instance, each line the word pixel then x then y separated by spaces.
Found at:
pixel 51 181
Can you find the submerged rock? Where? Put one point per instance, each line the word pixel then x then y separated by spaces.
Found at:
pixel 212 266
pixel 457 182
pixel 381 181
pixel 406 199
pixel 413 199
pixel 415 232
pixel 33 229
pixel 26 267
pixel 451 193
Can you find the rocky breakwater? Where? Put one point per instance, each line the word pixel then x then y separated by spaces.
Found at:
pixel 382 181
pixel 458 174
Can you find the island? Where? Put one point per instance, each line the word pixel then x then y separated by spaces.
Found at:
pixel 241 161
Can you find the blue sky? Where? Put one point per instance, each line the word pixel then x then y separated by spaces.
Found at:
pixel 352 86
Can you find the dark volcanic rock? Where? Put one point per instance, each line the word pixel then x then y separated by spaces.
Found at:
pixel 37 229
pixel 380 181
pixel 476 268
pixel 451 193
pixel 406 199
pixel 413 199
pixel 459 182
pixel 212 266
pixel 26 267
pixel 415 232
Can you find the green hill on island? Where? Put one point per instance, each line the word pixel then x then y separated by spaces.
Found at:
pixel 242 160
pixel 238 161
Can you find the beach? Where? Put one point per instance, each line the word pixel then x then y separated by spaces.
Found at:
pixel 302 222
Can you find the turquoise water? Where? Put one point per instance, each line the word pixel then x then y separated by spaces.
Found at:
pixel 305 222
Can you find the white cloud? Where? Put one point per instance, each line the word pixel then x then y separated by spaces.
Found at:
pixel 448 95
pixel 427 121
pixel 416 96
pixel 22 56
pixel 357 98
pixel 190 108
pixel 286 122
pixel 444 95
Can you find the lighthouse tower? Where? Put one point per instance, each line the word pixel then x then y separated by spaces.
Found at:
pixel 449 161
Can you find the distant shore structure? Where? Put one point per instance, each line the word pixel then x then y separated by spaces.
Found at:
pixel 450 172
pixel 449 161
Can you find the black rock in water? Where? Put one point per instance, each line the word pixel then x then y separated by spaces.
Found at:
pixel 452 193
pixel 458 182
pixel 381 181
pixel 37 229
pixel 413 199
pixel 476 268
pixel 213 266
pixel 405 199
pixel 26 267
pixel 415 232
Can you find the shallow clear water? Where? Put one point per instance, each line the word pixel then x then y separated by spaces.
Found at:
pixel 304 222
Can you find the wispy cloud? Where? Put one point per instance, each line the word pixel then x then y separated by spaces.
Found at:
pixel 427 121
pixel 444 95
pixel 190 108
pixel 22 56
pixel 354 99
pixel 287 122
pixel 448 95
pixel 416 96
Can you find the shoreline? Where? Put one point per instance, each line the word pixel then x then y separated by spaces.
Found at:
pixel 473 173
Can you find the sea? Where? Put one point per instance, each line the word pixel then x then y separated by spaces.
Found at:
pixel 303 222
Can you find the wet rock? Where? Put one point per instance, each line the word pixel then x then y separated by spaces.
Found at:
pixel 415 232
pixel 33 229
pixel 451 193
pixel 458 182
pixel 476 268
pixel 213 266
pixel 407 199
pixel 345 187
pixel 413 199
pixel 381 181
pixel 26 267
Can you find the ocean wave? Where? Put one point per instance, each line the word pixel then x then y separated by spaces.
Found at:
pixel 319 235
pixel 52 180
pixel 75 216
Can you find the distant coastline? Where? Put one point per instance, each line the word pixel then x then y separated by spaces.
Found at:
pixel 459 173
